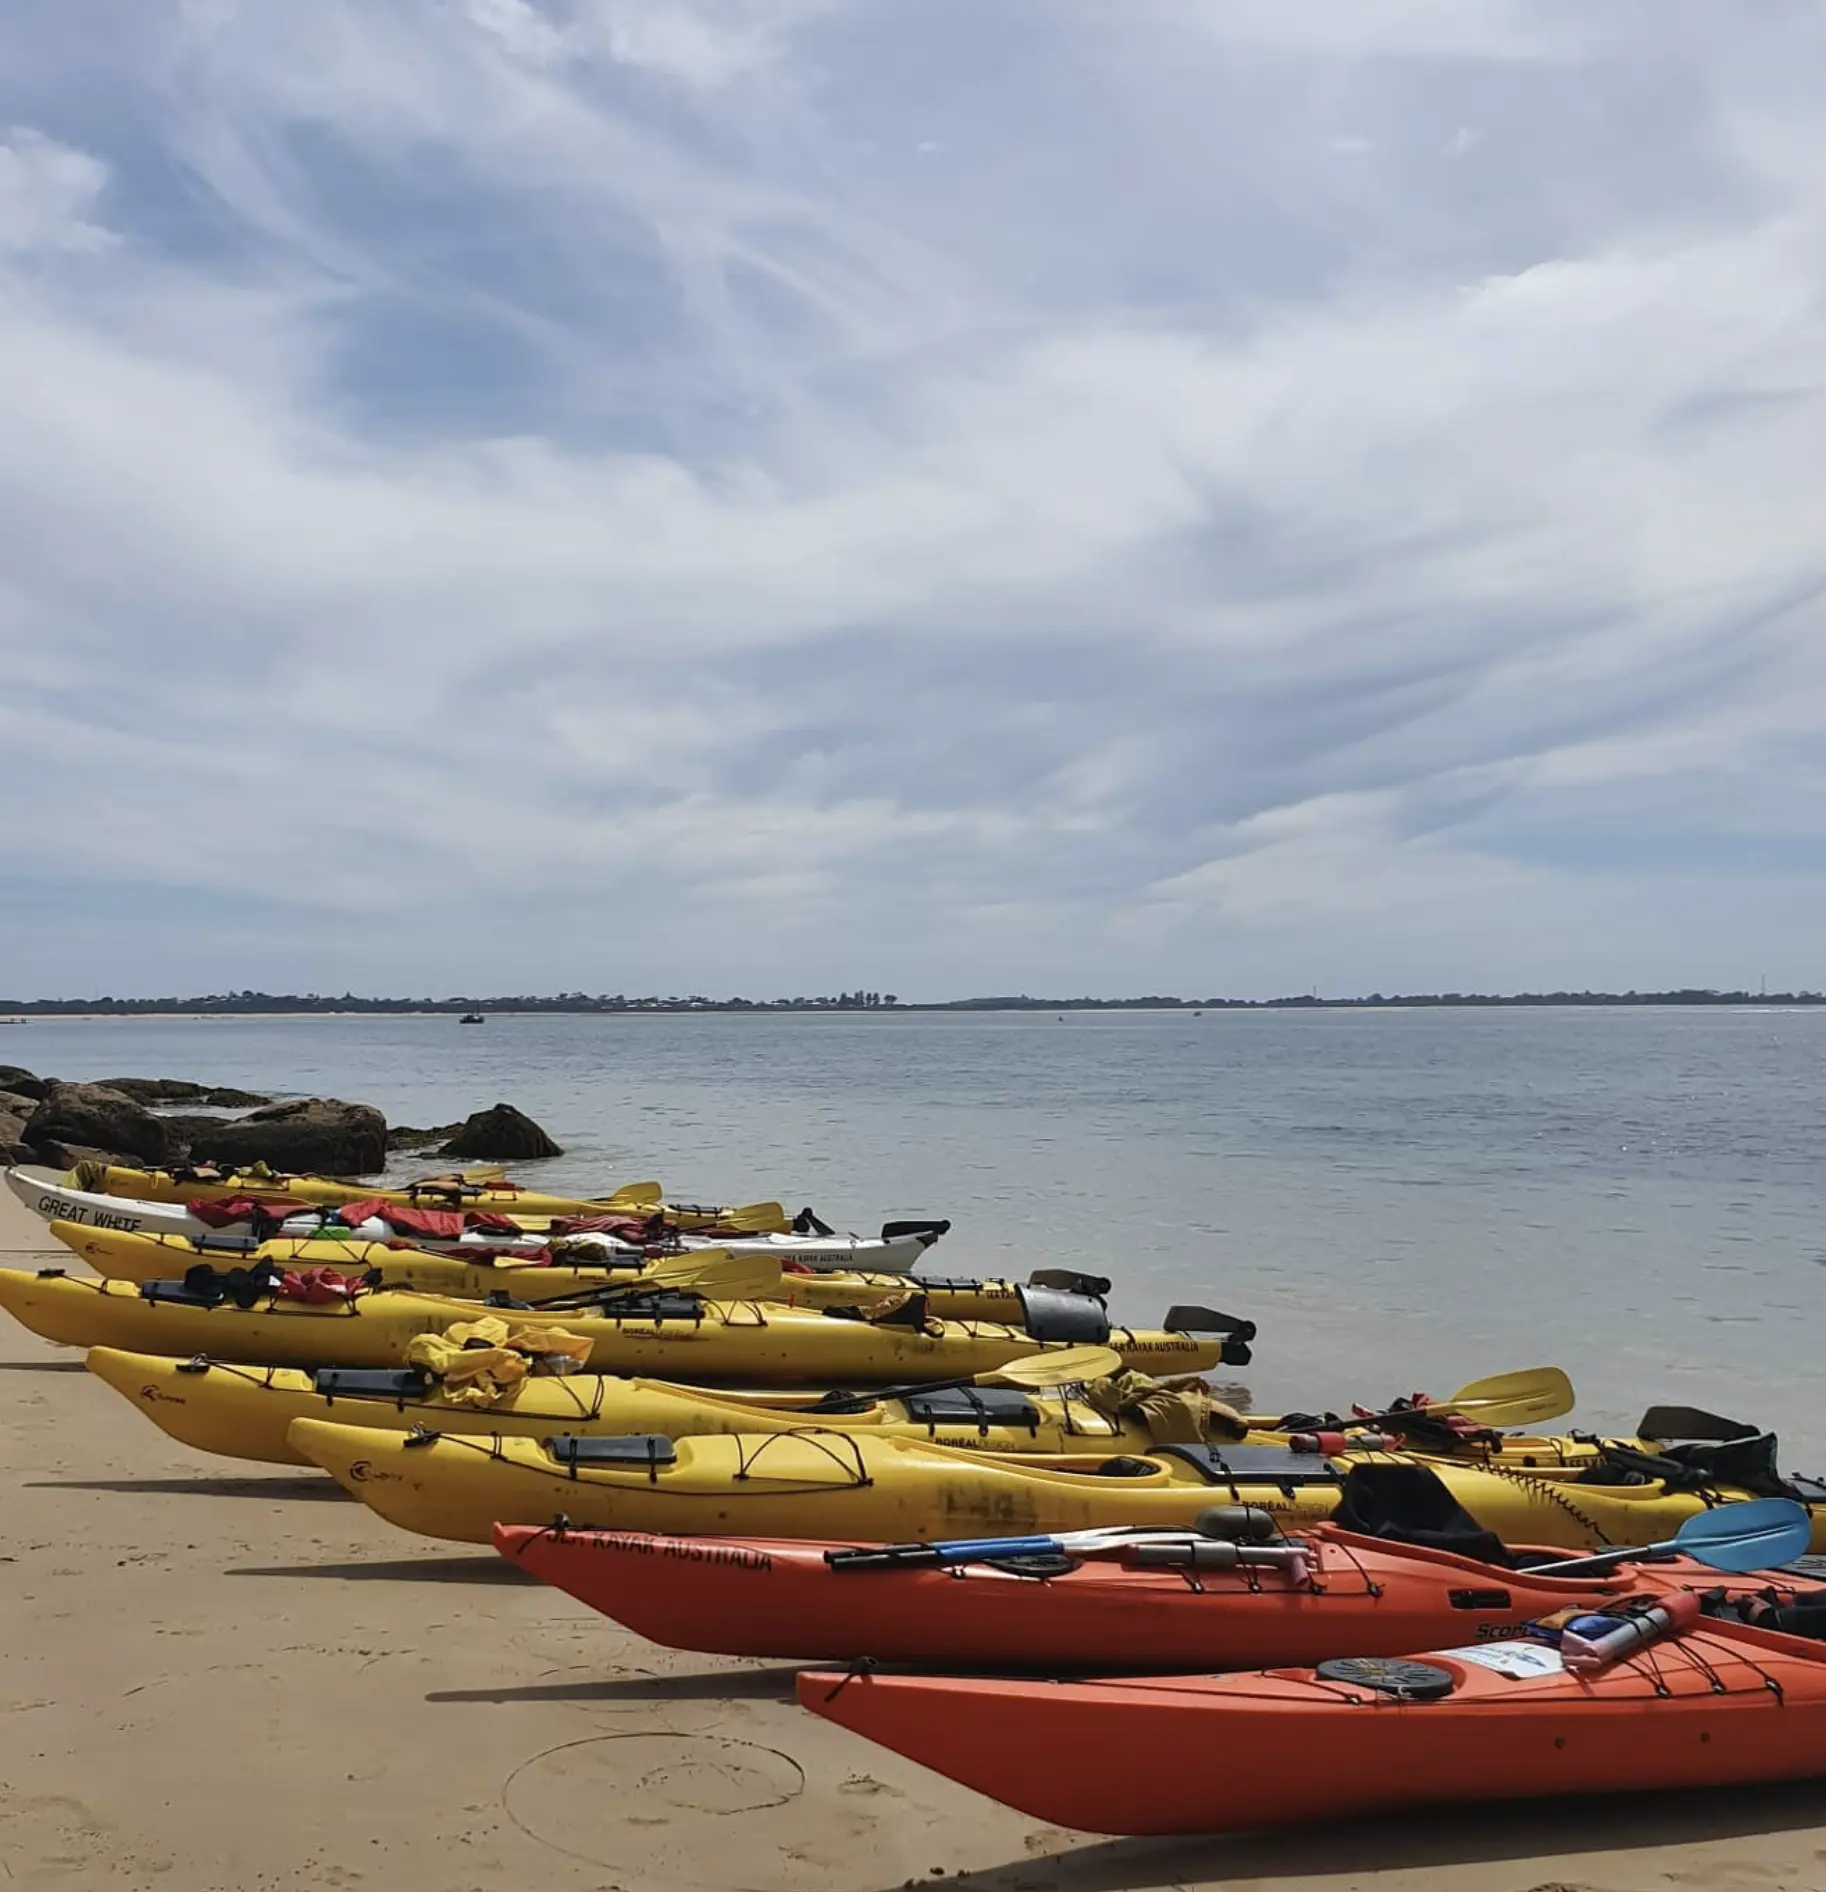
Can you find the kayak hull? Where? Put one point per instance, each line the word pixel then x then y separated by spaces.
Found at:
pixel 842 1487
pixel 745 1341
pixel 157 1185
pixel 1694 1712
pixel 47 1195
pixel 469 1272
pixel 781 1599
pixel 243 1411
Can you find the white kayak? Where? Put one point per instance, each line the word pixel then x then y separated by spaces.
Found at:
pixel 896 1250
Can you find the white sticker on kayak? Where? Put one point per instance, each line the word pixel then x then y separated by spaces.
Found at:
pixel 1520 1661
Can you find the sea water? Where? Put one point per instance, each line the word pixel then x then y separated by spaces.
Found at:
pixel 1402 1199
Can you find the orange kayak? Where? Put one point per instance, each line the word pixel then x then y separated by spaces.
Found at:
pixel 780 1597
pixel 1721 1704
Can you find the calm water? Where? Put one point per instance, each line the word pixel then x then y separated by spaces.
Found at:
pixel 1400 1199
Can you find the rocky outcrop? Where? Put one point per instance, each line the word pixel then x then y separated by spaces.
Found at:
pixel 52 1154
pixel 180 1090
pixel 15 1078
pixel 321 1134
pixel 156 1090
pixel 501 1132
pixel 13 1147
pixel 188 1127
pixel 404 1136
pixel 97 1118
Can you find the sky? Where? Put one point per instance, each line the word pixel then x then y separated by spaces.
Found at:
pixel 766 496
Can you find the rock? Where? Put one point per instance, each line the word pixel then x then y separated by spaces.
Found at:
pixel 51 1154
pixel 502 1131
pixel 180 1090
pixel 402 1136
pixel 98 1118
pixel 187 1126
pixel 22 1106
pixel 322 1134
pixel 12 1129
pixel 14 1077
pixel 157 1090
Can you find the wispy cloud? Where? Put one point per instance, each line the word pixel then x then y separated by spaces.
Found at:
pixel 772 495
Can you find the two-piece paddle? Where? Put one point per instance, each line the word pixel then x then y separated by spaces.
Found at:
pixel 1755 1535
pixel 713 1274
pixel 1069 1366
pixel 1524 1398
pixel 1243 1525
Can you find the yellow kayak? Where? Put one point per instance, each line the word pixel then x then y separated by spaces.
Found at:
pixel 244 1411
pixel 677 1336
pixel 123 1255
pixel 846 1488
pixel 492 1197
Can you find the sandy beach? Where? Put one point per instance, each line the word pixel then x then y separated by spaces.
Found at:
pixel 221 1677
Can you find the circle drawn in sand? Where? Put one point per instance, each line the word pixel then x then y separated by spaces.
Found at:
pixel 638 1802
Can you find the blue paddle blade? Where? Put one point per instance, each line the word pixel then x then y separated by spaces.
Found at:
pixel 1754 1535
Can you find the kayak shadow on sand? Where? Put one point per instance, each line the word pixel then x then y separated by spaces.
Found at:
pixel 1413 1840
pixel 399 1570
pixel 725 1685
pixel 305 1485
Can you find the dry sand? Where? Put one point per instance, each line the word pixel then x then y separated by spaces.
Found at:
pixel 221 1677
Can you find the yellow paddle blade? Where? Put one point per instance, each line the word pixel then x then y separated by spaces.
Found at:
pixel 635 1192
pixel 1527 1398
pixel 1064 1368
pixel 753 1218
pixel 484 1173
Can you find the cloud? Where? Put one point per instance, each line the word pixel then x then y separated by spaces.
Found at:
pixel 46 191
pixel 1155 497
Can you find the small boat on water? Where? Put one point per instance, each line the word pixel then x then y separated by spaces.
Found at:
pixel 472 1018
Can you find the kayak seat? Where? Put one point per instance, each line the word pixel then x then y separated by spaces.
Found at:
pixel 1048 1315
pixel 1749 1463
pixel 632 1448
pixel 1797 1619
pixel 981 1406
pixel 1252 1464
pixel 1410 1504
pixel 370 1382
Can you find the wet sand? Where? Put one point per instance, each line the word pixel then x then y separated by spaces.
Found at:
pixel 221 1677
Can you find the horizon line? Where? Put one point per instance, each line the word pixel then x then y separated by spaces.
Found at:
pixel 248 1002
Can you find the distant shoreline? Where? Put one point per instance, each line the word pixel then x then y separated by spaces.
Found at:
pixel 270 1006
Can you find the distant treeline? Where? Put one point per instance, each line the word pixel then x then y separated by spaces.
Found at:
pixel 229 1003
